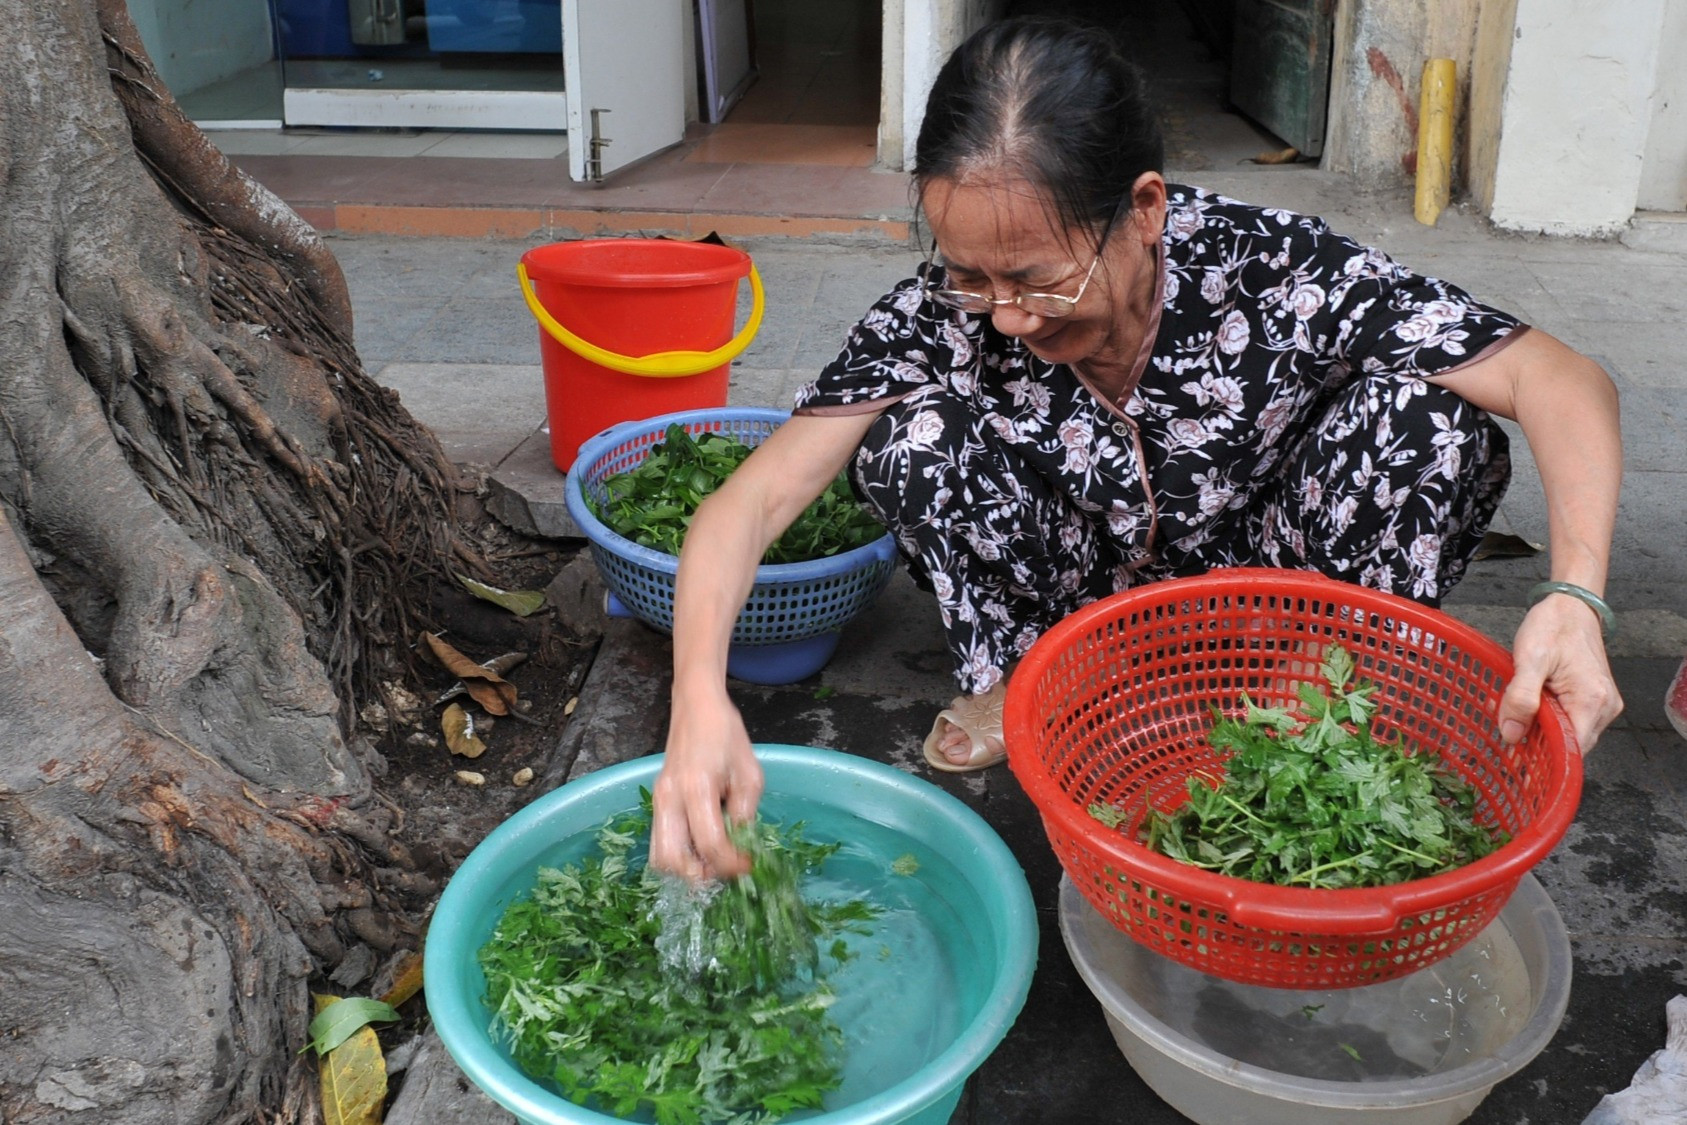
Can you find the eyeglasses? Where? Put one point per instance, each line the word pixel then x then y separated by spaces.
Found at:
pixel 1045 305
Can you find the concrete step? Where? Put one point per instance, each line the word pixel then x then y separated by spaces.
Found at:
pixel 1662 232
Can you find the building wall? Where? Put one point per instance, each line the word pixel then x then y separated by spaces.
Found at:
pixel 1376 81
pixel 893 17
pixel 194 43
pixel 1663 169
pixel 1490 63
pixel 1575 115
pixel 921 34
pixel 1571 113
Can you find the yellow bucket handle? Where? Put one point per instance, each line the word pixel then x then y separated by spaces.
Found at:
pixel 661 365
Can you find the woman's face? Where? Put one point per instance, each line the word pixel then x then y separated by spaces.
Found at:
pixel 1001 238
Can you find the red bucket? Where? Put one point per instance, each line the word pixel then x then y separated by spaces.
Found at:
pixel 630 328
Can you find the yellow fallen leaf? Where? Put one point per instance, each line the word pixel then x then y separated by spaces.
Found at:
pixel 353 1076
pixel 1501 545
pixel 406 982
pixel 458 728
pixel 522 603
pixel 1281 156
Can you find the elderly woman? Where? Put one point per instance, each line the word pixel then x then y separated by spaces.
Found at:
pixel 1103 379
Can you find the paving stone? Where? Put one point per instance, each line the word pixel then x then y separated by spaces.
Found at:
pixel 472 408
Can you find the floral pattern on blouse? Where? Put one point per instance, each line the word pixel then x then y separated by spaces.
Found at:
pixel 1266 316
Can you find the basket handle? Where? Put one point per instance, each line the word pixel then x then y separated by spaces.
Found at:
pixel 659 365
pixel 1371 918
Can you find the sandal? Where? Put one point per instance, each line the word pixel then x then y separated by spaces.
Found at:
pixel 980 718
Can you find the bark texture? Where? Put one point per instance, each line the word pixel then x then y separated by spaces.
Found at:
pixel 213 529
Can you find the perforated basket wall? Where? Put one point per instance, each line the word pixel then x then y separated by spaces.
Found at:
pixel 1113 706
pixel 789 602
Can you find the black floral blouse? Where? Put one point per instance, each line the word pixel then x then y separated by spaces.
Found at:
pixel 1265 317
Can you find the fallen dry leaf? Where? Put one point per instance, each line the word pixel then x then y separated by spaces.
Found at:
pixel 498 665
pixel 522 603
pixel 496 698
pixel 1281 156
pixel 1501 545
pixel 458 728
pixel 374 716
pixel 406 708
pixel 354 1078
pixel 484 686
pixel 406 982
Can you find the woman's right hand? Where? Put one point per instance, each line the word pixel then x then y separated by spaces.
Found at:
pixel 711 773
pixel 710 769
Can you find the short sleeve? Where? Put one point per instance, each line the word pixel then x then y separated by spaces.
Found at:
pixel 1374 314
pixel 902 343
pixel 1401 322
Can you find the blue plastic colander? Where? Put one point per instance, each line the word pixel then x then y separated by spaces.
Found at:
pixel 791 623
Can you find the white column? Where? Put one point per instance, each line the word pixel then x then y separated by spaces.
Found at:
pixel 931 30
pixel 1575 115
pixel 1663 175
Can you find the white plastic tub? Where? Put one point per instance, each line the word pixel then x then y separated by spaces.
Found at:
pixel 1421 1050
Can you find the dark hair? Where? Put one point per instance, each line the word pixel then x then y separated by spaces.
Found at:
pixel 1049 100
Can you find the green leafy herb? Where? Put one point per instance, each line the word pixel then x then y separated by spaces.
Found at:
pixel 756 932
pixel 1310 1011
pixel 1310 797
pixel 652 504
pixel 1110 815
pixel 588 991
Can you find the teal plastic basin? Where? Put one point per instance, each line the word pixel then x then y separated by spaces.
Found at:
pixel 958 941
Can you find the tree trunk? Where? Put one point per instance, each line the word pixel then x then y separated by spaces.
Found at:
pixel 214 532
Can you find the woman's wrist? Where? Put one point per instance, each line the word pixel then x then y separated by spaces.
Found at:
pixel 1607 618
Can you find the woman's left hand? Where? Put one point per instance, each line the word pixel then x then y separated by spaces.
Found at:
pixel 1559 648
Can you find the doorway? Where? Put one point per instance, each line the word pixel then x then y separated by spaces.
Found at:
pixel 1184 49
pixel 818 64
pixel 815 97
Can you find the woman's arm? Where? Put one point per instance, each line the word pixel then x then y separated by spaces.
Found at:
pixel 1567 408
pixel 709 763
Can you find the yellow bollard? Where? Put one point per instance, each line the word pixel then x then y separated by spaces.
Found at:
pixel 1435 139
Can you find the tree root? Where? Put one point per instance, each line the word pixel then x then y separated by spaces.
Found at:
pixel 218 536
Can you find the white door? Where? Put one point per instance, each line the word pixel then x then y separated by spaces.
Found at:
pixel 624 67
pixel 724 29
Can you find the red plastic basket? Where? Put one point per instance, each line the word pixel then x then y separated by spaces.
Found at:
pixel 1113 705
